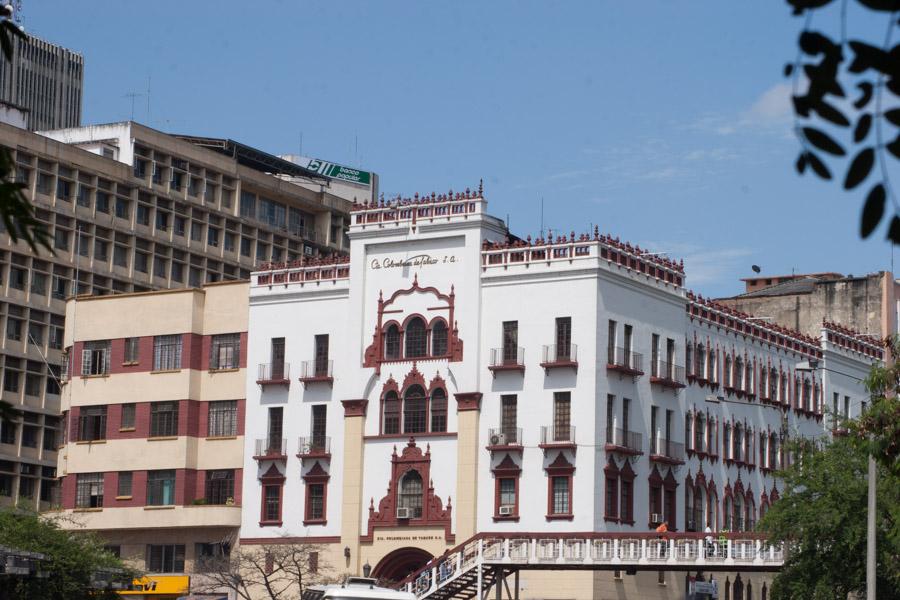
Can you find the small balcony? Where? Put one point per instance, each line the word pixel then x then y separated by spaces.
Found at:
pixel 508 438
pixel 314 446
pixel 623 441
pixel 316 371
pixel 625 362
pixel 507 359
pixel 274 374
pixel 559 356
pixel 668 375
pixel 557 436
pixel 271 449
pixel 667 452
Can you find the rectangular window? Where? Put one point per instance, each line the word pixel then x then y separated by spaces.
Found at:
pixel 95 358
pixel 509 416
pixel 222 418
pixel 124 485
pixel 167 352
pixel 276 424
pixel 131 349
pixel 272 503
pixel 611 342
pixel 507 492
pixel 319 424
pixel 220 486
pixel 561 416
pixel 610 418
pixel 611 510
pixel 627 342
pixel 277 358
pixel 167 558
pixel 321 354
pixel 89 490
pixel 163 419
pixel 510 342
pixel 626 409
pixel 161 488
pixel 127 421
pixel 225 351
pixel 92 423
pixel 653 433
pixel 563 338
pixel 560 504
pixel 654 355
pixel 315 501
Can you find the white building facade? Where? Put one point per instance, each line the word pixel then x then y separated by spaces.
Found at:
pixel 449 379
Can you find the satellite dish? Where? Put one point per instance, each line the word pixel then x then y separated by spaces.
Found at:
pixel 756 268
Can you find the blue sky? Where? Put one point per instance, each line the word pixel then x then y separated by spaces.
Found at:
pixel 665 123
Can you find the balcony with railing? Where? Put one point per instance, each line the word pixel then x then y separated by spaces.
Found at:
pixel 667 452
pixel 314 446
pixel 505 438
pixel 557 436
pixel 316 371
pixel 510 358
pixel 668 375
pixel 271 448
pixel 558 356
pixel 623 441
pixel 623 361
pixel 274 374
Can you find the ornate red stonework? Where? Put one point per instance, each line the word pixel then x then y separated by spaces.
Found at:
pixel 374 354
pixel 468 401
pixel 355 408
pixel 411 458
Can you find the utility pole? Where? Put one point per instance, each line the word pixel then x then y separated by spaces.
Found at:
pixel 870 534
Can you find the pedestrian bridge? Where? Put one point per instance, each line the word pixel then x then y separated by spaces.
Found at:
pixel 487 560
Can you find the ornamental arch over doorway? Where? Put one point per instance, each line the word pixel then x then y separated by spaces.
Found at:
pixel 396 565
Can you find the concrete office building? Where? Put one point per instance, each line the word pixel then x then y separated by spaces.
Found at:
pixel 131 209
pixel 46 80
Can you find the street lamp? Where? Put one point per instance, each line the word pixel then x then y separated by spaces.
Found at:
pixel 367 569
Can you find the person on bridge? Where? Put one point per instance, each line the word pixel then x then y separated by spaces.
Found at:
pixel 662 529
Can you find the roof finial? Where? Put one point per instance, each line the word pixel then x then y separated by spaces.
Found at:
pixel 481 188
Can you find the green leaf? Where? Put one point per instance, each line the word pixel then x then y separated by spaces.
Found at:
pixel 813 42
pixel 830 113
pixel 881 5
pixel 823 141
pixel 873 210
pixel 801 163
pixel 867 90
pixel 867 56
pixel 860 168
pixel 894 147
pixel 818 166
pixel 801 105
pixel 862 128
pixel 893 116
pixel 788 69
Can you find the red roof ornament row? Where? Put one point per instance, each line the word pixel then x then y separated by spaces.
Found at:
pixel 852 340
pixel 417 200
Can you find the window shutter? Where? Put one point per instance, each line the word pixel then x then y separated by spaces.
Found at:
pixel 106 354
pixel 85 362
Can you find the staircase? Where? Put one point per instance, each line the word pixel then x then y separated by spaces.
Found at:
pixel 485 561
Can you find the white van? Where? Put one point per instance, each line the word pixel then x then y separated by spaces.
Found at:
pixel 355 588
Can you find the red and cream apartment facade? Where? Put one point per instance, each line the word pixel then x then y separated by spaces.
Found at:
pixel 448 379
pixel 153 407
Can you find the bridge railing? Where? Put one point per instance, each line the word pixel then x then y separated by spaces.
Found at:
pixel 593 550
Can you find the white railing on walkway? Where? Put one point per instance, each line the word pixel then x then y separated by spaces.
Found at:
pixel 590 551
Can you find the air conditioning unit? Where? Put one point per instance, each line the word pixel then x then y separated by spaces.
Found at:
pixel 657 518
pixel 308 250
pixel 506 511
pixel 498 439
pixel 403 512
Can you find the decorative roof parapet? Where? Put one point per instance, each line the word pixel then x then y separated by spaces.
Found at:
pixel 303 269
pixel 851 340
pixel 416 200
pixel 572 246
pixel 745 324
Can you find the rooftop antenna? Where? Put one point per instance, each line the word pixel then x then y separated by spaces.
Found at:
pixel 133 96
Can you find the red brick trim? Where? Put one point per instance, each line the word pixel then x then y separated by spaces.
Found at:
pixel 313 539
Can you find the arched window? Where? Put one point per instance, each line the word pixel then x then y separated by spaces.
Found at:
pixel 738 521
pixel 391 413
pixel 726 513
pixel 699 508
pixel 414 410
pixel 774 463
pixel 748 377
pixel 688 419
pixel 689 358
pixel 689 523
pixel 739 373
pixel 750 514
pixel 738 443
pixel 700 433
pixel 439 410
pixel 773 384
pixel 712 510
pixel 392 342
pixel 700 362
pixel 439 338
pixel 726 442
pixel 728 377
pixel 411 494
pixel 416 346
pixel 738 589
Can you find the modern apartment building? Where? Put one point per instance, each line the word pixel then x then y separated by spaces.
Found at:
pixel 131 209
pixel 450 385
pixel 46 80
pixel 153 407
